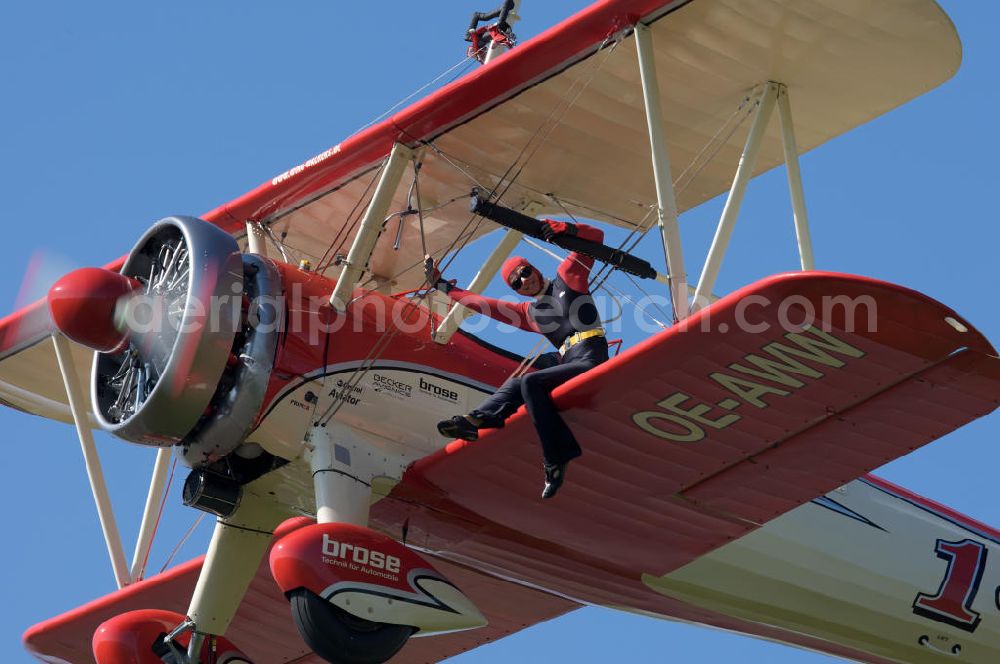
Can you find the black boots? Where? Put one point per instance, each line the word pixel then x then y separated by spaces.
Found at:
pixel 458 427
pixel 554 476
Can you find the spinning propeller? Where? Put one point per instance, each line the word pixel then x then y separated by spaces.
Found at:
pixel 163 328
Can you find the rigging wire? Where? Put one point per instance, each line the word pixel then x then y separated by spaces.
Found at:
pixel 548 125
pixel 544 130
pixel 278 244
pixel 413 304
pixel 743 111
pixel 635 236
pixel 711 148
pixel 417 165
pixel 506 181
pixel 465 235
pixel 183 539
pixel 465 62
pixel 348 227
pixel 459 69
pixel 583 82
pixel 444 155
pixel 156 524
pixel 708 152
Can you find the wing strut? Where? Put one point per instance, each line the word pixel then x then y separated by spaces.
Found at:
pixel 795 181
pixel 92 460
pixel 739 187
pixel 772 94
pixel 98 486
pixel 371 226
pixel 666 211
pixel 256 239
pixel 154 498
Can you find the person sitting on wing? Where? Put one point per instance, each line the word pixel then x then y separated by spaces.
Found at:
pixel 564 312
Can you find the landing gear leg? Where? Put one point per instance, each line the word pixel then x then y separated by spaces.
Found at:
pixel 237 548
pixel 343 491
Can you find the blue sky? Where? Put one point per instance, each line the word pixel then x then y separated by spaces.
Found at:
pixel 116 114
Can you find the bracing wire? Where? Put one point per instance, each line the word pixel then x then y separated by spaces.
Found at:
pixel 510 176
pixel 159 515
pixel 183 540
pixel 465 62
pixel 611 290
pixel 413 304
pixel 465 235
pixel 533 144
pixel 278 244
pixel 420 211
pixel 350 223
pixel 711 148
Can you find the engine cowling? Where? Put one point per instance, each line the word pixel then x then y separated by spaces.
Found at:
pixel 185 336
pixel 156 389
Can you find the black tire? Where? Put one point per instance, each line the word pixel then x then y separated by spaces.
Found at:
pixel 340 638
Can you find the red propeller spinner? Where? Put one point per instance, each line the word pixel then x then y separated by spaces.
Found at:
pixel 83 305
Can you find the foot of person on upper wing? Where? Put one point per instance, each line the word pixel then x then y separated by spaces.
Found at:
pixel 467 427
pixel 555 473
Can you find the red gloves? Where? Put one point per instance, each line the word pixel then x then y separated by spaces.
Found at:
pixel 434 278
pixel 550 229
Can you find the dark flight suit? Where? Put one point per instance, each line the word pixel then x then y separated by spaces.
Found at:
pixel 564 309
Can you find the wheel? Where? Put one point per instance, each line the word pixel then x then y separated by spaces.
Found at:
pixel 340 638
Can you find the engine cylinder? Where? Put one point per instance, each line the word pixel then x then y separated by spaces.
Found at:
pixel 180 326
pixel 233 409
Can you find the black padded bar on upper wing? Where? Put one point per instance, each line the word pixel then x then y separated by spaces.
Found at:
pixel 529 226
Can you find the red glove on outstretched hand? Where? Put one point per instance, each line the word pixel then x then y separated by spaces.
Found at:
pixel 434 278
pixel 550 229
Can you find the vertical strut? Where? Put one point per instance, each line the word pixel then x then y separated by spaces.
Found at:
pixel 743 174
pixel 666 201
pixel 802 234
pixel 78 408
pixel 157 484
pixel 341 495
pixel 256 240
pixel 238 545
pixel 371 225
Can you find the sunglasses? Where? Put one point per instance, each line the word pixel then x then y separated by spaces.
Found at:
pixel 525 272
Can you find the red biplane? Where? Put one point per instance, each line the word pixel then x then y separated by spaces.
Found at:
pixel 285 348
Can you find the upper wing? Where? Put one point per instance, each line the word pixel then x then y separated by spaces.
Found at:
pixel 558 122
pixel 700 435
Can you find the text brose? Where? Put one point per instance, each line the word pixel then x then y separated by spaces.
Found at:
pixel 438 391
pixel 360 555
